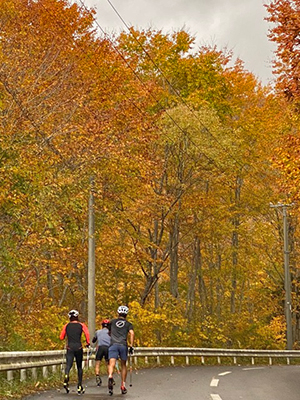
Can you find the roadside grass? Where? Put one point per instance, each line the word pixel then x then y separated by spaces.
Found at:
pixel 15 389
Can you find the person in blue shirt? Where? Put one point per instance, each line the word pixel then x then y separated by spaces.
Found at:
pixel 102 337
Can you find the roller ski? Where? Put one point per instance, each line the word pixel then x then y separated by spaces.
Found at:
pixel 110 386
pixel 66 384
pixel 98 380
pixel 80 390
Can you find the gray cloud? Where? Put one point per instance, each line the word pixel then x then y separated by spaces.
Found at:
pixel 236 24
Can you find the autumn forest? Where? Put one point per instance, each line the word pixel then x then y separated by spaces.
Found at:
pixel 183 149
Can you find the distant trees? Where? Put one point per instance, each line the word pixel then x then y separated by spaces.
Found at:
pixel 284 16
pixel 182 146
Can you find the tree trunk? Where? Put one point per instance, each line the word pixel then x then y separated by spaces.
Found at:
pixel 235 246
pixel 194 273
pixel 174 240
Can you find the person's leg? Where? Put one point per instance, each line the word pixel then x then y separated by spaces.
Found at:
pixel 111 366
pixel 105 355
pixel 79 358
pixel 113 354
pixel 97 367
pixel 69 361
pixel 97 372
pixel 123 357
pixel 97 363
pixel 106 359
pixel 123 372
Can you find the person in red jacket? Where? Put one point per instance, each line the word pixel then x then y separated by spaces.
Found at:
pixel 73 331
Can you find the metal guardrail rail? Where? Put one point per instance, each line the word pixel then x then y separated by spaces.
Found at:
pixel 31 360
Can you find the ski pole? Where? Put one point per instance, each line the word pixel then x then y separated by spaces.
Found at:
pixel 130 370
pixel 88 357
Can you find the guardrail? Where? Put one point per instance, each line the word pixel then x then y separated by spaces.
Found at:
pixel 32 360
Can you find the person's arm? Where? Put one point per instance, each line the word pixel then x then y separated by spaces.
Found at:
pixel 86 334
pixel 94 340
pixel 63 333
pixel 131 337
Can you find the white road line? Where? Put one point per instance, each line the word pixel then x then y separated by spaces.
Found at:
pixel 214 382
pixel 253 368
pixel 215 397
pixel 225 373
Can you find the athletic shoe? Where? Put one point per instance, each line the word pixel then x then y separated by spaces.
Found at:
pixel 80 390
pixel 123 390
pixel 66 384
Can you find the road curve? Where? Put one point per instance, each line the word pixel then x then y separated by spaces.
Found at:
pixel 196 382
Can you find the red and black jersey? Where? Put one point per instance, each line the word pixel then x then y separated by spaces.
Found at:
pixel 73 330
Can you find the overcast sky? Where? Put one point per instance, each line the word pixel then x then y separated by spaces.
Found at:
pixel 236 24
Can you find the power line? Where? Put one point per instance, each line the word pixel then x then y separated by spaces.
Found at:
pixel 175 90
pixel 222 170
pixel 177 93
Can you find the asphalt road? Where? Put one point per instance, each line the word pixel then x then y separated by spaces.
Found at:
pixel 197 383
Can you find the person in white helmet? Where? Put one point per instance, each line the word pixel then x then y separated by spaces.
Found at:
pixel 73 331
pixel 120 328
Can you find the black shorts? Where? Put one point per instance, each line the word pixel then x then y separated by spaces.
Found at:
pixel 102 352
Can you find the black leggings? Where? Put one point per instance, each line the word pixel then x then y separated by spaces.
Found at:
pixel 78 354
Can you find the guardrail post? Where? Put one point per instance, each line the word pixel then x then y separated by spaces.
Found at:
pixel 202 360
pixel 234 360
pixel 10 375
pixel 34 373
pixel 158 360
pixel 146 360
pixel 23 375
pixel 172 360
pixel 288 361
pixel 219 360
pixel 135 360
pixel 45 372
pixel 252 361
pixel 187 360
pixel 270 360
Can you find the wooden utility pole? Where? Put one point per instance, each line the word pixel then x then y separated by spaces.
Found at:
pixel 287 275
pixel 91 262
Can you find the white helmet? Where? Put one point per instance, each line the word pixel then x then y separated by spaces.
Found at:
pixel 123 310
pixel 73 313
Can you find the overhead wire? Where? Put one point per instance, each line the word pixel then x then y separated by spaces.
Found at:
pixel 142 111
pixel 183 101
pixel 206 129
pixel 175 122
pixel 222 170
pixel 144 85
pixel 175 90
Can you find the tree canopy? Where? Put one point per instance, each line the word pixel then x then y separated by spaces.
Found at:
pixel 186 150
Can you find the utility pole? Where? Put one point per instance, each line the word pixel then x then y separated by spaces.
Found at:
pixel 91 262
pixel 287 276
